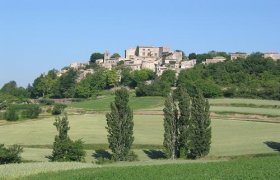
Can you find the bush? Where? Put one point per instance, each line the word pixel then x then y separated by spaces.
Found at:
pixel 11 114
pixel 58 109
pixel 157 88
pixel 11 154
pixel 132 156
pixel 31 112
pixel 46 102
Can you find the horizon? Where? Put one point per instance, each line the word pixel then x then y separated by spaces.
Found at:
pixel 39 36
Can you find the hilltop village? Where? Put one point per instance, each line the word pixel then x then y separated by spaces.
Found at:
pixel 157 59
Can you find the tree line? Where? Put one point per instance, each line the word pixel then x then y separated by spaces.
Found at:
pixel 253 77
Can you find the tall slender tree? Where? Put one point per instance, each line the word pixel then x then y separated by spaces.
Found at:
pixel 170 142
pixel 64 149
pixel 184 120
pixel 200 130
pixel 120 126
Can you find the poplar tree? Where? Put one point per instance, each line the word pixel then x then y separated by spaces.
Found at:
pixel 200 130
pixel 64 149
pixel 184 120
pixel 170 142
pixel 120 126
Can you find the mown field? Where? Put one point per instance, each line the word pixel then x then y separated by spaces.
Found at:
pixel 243 106
pixel 235 132
pixel 229 137
pixel 257 168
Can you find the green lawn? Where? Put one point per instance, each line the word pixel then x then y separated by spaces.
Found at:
pixel 230 138
pixel 256 168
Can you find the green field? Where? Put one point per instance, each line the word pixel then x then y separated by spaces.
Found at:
pixel 241 106
pixel 103 103
pixel 230 138
pixel 257 168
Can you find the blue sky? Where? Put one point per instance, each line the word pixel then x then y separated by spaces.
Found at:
pixel 36 36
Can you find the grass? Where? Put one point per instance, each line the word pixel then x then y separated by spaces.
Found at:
pixel 246 110
pixel 240 101
pixel 11 171
pixel 256 168
pixel 103 103
pixel 229 137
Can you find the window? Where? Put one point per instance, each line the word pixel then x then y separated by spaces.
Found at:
pixel 143 54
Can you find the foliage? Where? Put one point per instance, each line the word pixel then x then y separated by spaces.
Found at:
pixel 58 109
pixel 11 114
pixel 200 130
pixel 67 83
pixel 253 77
pixel 170 142
pixel 95 56
pixel 64 149
pixel 11 154
pixel 156 88
pixel 116 56
pixel 31 111
pixel 169 76
pixel 46 102
pixel 184 121
pixel 120 126
pixel 140 76
pixel 137 51
pixel 11 88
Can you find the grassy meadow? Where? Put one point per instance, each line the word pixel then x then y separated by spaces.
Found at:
pixel 230 138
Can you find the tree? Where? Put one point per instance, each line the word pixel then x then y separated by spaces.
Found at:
pixel 115 56
pixel 170 142
pixel 192 56
pixel 200 130
pixel 95 56
pixel 169 76
pixel 64 149
pixel 137 51
pixel 184 120
pixel 120 126
pixel 67 83
pixel 111 78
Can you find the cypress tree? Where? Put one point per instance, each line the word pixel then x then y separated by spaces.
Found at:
pixel 184 121
pixel 120 126
pixel 200 130
pixel 170 142
pixel 137 51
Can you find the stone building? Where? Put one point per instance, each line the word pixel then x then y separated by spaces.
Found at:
pixel 215 60
pixel 235 56
pixel 188 64
pixel 273 55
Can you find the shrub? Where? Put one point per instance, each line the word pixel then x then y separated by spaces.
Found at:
pixel 32 111
pixel 132 156
pixel 11 154
pixel 58 109
pixel 11 114
pixel 46 102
